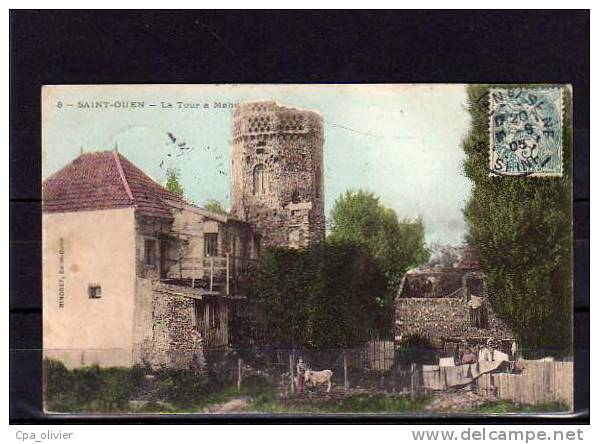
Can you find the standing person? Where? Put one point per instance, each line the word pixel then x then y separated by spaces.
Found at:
pixel 468 357
pixel 301 375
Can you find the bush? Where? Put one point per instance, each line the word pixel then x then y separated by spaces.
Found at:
pixel 416 349
pixel 259 389
pixel 89 389
pixel 181 387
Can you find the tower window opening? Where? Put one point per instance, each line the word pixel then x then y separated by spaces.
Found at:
pixel 260 179
pixel 295 198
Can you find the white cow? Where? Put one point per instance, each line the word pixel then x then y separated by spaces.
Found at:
pixel 320 377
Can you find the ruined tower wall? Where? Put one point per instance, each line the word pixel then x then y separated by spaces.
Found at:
pixel 285 202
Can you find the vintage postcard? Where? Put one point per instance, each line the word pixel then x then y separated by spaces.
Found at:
pixel 307 249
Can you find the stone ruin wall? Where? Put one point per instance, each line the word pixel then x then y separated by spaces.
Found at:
pixel 289 142
pixel 164 332
pixel 443 318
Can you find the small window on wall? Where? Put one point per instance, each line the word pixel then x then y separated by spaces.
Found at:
pixel 260 179
pixel 210 244
pixel 94 291
pixel 149 252
pixel 295 198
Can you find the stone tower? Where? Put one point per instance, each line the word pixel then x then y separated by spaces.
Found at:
pixel 277 173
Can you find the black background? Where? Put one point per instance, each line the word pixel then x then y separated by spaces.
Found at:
pixel 93 47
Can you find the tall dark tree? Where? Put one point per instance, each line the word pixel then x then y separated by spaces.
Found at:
pixel 521 229
pixel 323 297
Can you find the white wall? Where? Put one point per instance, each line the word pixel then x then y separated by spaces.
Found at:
pixel 97 247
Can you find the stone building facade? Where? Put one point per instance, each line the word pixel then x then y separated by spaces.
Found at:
pixel 141 275
pixel 277 166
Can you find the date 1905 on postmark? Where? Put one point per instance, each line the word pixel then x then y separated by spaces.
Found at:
pixel 526 132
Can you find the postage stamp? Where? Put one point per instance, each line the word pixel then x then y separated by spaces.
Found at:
pixel 526 132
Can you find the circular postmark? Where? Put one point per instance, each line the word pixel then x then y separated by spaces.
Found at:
pixel 526 132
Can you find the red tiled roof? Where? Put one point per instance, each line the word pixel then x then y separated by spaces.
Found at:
pixel 104 180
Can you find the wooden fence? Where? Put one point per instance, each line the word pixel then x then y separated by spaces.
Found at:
pixel 539 382
pixel 376 355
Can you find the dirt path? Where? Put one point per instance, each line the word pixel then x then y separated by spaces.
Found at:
pixel 232 406
pixel 458 400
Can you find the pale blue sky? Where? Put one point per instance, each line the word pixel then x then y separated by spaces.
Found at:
pixel 400 141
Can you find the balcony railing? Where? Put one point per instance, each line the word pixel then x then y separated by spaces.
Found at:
pixel 226 274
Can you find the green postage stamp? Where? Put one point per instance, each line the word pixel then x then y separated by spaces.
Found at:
pixel 526 132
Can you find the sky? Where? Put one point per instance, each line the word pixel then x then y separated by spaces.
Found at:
pixel 400 141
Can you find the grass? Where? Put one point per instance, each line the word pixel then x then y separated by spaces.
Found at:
pixel 362 403
pixel 89 389
pixel 511 407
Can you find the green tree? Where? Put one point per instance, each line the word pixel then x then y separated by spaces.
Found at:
pixel 321 297
pixel 215 206
pixel 359 217
pixel 173 176
pixel 521 229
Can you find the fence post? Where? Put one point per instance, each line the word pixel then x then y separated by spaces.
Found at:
pixel 238 375
pixel 413 384
pixel 291 373
pixel 345 380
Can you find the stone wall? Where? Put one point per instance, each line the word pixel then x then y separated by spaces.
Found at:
pixel 176 342
pixel 165 328
pixel 288 143
pixel 444 318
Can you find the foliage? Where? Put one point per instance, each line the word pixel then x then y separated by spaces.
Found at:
pixel 521 229
pixel 219 370
pixel 416 349
pixel 173 177
pixel 95 389
pixel 181 387
pixel 326 296
pixel 88 389
pixel 359 217
pixel 215 206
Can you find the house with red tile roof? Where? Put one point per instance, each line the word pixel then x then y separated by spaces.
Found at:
pixel 132 272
